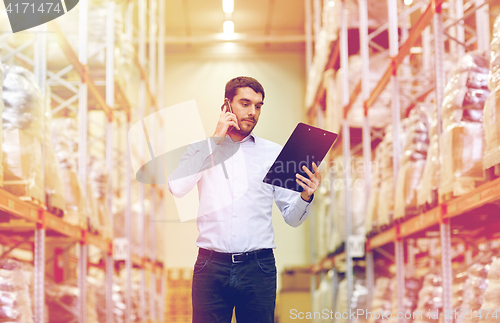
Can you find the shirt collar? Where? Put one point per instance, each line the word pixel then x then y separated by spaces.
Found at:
pixel 251 137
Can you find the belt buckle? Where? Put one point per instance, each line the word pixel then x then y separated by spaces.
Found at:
pixel 234 260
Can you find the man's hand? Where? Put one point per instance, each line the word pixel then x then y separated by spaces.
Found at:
pixel 226 120
pixel 309 185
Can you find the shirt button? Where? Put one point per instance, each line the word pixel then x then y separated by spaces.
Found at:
pixel 235 215
pixel 234 235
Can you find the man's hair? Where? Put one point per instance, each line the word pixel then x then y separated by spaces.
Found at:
pixel 242 81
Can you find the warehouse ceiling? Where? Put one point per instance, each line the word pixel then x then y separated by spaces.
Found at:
pixel 255 21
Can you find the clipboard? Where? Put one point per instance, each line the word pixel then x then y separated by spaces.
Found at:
pixel 306 145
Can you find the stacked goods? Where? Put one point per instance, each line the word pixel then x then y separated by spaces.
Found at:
pixel 427 188
pixel 118 303
pixel 385 205
pixel 492 295
pixel 179 307
pixel 430 299
pixel 324 296
pixel 321 213
pixel 64 138
pixel 62 302
pixel 382 300
pixel 412 162
pixel 22 119
pixel 474 290
pixel 1 110
pixel 338 204
pixel 98 176
pixel 379 115
pixel 458 287
pixel 54 189
pixel 412 288
pixel 462 140
pixel 372 208
pixel 98 181
pixel 97 17
pixel 358 196
pixel 358 301
pixel 492 107
pixel 15 302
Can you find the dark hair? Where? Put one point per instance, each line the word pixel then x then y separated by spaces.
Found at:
pixel 242 81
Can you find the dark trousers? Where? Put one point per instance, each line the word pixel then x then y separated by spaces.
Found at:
pixel 248 287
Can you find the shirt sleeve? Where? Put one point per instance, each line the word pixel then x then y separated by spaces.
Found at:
pixel 293 208
pixel 198 157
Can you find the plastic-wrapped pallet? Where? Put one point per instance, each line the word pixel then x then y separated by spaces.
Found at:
pixel 22 119
pixel 427 188
pixel 492 106
pixel 412 162
pixel 412 288
pixel 98 176
pixel 385 205
pixel 321 213
pixel 492 294
pixel 119 223
pixel 457 288
pixel 358 197
pixel 377 15
pixel 65 140
pixel 1 110
pixel 62 302
pixel 492 130
pixel 462 141
pixel 474 290
pixel 97 15
pixel 430 297
pixel 15 302
pixel 382 299
pixel 372 208
pixel 339 204
pixel 379 114
pixel 54 188
pixel 494 79
pixel 119 305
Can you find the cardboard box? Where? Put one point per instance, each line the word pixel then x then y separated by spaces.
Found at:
pixel 290 304
pixel 296 279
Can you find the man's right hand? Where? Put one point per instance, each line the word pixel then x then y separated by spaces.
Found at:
pixel 226 120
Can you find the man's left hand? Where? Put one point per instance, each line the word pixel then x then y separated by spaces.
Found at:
pixel 309 184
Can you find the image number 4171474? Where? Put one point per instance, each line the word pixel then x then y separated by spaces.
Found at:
pixel 25 14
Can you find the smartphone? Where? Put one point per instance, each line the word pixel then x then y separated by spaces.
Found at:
pixel 228 105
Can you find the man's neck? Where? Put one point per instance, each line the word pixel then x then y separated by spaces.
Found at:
pixel 236 137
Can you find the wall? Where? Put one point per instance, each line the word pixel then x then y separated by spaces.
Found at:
pixel 201 74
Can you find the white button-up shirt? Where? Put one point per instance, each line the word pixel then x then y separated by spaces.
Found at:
pixel 235 212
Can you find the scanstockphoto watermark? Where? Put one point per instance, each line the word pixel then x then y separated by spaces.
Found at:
pixel 361 314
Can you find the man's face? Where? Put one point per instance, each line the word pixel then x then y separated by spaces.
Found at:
pixel 246 106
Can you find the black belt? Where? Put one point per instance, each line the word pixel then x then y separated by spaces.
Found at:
pixel 236 257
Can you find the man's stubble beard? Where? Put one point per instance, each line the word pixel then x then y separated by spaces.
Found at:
pixel 242 132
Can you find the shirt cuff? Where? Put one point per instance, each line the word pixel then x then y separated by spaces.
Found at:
pixel 310 199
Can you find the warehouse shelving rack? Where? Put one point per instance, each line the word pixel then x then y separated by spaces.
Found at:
pixel 440 216
pixel 112 100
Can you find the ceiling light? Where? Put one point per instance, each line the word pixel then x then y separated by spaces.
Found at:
pixel 408 2
pixel 331 3
pixel 228 28
pixel 228 6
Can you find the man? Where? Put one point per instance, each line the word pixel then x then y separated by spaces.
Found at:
pixel 235 268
